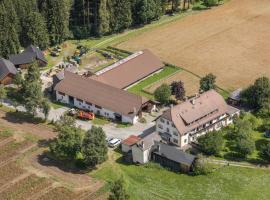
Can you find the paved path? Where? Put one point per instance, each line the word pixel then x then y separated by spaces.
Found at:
pixel 238 164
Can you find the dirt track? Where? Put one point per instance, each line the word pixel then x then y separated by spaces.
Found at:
pixel 232 41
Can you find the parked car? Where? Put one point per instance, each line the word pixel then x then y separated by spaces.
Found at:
pixel 114 142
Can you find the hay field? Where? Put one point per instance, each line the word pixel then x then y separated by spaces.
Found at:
pixel 232 41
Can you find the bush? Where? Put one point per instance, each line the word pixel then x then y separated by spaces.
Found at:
pixel 202 167
pixel 210 3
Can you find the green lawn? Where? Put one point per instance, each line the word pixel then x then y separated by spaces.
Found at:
pixel 100 121
pixel 139 88
pixel 152 182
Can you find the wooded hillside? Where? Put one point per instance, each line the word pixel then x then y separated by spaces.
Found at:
pixel 49 22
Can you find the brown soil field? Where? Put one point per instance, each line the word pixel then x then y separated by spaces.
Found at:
pixel 231 41
pixel 24 175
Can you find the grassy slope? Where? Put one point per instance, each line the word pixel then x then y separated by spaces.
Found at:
pixel 139 88
pixel 153 182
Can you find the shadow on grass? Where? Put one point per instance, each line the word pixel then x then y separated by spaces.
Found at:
pixel 22 117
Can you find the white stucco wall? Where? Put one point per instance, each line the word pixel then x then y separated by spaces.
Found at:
pixel 101 111
pixel 140 156
pixel 125 148
pixel 167 127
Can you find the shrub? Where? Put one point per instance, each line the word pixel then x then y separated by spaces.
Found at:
pixel 202 167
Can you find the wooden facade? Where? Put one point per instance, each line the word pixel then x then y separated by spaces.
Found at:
pixel 7 79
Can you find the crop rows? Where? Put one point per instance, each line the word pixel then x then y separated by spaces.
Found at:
pixel 9 172
pixel 59 193
pixel 10 149
pixel 25 188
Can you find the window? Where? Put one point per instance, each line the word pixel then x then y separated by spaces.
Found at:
pixel 185 141
pixel 89 104
pixel 168 130
pixel 160 126
pixel 97 106
pixel 173 125
pixel 175 141
pixel 162 120
pixel 168 122
pixel 61 93
pixel 175 133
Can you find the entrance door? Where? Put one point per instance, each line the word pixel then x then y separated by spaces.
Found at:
pixel 118 117
pixel 71 100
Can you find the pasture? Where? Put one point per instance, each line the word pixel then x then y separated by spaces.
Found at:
pixel 231 41
pixel 153 182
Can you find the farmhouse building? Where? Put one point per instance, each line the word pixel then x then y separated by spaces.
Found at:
pixel 130 70
pixel 28 56
pixel 100 98
pixel 150 146
pixel 184 123
pixel 7 71
pixel 127 144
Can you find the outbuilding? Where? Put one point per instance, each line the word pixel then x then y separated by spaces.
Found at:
pixel 7 71
pixel 172 157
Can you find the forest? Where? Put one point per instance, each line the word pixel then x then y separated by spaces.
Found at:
pixel 46 23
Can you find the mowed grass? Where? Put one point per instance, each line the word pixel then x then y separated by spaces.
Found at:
pixel 139 88
pixel 153 182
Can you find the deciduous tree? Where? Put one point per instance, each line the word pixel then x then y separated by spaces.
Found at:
pixel 94 147
pixel 208 82
pixel 163 93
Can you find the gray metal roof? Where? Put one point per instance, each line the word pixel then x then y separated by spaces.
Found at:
pixel 30 54
pixel 236 95
pixel 173 153
pixel 6 67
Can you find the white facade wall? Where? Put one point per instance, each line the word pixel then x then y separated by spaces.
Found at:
pixel 140 156
pixel 125 148
pixel 92 108
pixel 166 126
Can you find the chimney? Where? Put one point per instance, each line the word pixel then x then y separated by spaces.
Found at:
pixel 171 106
pixel 134 110
pixel 193 101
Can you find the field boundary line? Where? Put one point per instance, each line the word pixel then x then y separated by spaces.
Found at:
pixel 148 86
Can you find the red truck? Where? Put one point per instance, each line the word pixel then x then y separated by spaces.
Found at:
pixel 82 114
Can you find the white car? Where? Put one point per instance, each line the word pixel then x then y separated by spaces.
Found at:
pixel 114 142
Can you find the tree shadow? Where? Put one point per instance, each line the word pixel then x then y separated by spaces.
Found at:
pixel 47 160
pixel 261 143
pixel 22 117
